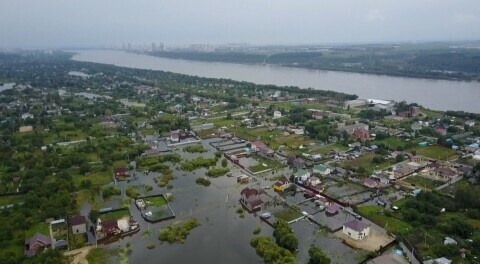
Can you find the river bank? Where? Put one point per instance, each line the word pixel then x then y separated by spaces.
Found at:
pixel 434 94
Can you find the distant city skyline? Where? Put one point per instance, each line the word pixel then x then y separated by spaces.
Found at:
pixel 89 23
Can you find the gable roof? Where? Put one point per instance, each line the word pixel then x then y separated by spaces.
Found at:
pixel 333 208
pixel 300 172
pixel 321 167
pixel 77 220
pixel 247 192
pixel 356 225
pixel 283 180
pixel 41 238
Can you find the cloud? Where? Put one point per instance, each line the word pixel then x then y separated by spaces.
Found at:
pixel 464 18
pixel 375 15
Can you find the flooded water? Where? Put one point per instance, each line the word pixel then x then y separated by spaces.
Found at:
pixel 223 236
pixel 434 94
pixel 6 86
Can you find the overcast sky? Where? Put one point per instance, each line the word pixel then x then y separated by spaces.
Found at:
pixel 60 23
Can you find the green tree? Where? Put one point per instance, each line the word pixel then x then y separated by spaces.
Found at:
pixel 317 256
pixel 224 163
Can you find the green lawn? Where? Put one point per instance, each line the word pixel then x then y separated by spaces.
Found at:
pixel 375 214
pixel 96 178
pixel 435 152
pixel 288 214
pixel 41 228
pixel 325 149
pixel 423 182
pixel 394 142
pixel 115 215
pixel 271 164
pixel 156 201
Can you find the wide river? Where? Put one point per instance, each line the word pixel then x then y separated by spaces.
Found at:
pixel 434 94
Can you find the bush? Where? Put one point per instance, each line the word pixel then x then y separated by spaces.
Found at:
pixel 177 233
pixel 224 162
pixel 203 181
pixel 132 192
pixel 151 246
pixel 217 172
pixel 199 162
pixel 110 191
pixel 195 149
pixel 257 230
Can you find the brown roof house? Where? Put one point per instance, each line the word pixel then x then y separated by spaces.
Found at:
pixel 251 200
pixel 36 243
pixel 110 227
pixel 356 230
pixel 281 184
pixel 78 224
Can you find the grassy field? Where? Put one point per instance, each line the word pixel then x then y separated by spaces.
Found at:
pixel 392 142
pixel 96 178
pixel 375 214
pixel 271 164
pixel 115 215
pixel 435 152
pixel 287 214
pixel 88 196
pixel 337 147
pixel 41 228
pixel 423 182
pixel 156 201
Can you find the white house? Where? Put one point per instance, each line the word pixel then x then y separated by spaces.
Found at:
pixel 78 224
pixel 277 114
pixel 302 174
pixel 27 115
pixel 321 169
pixel 356 230
pixel 314 181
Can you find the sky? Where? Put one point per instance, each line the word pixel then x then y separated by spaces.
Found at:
pixel 89 23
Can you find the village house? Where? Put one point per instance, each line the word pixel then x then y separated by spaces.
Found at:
pixel 277 114
pixel 402 170
pixel 318 115
pixel 314 181
pixel 175 136
pixel 371 183
pixel 110 227
pixel 36 243
pixel 78 224
pixel 332 208
pixel 351 128
pixel 361 134
pixel 441 131
pixel 441 260
pixel 298 163
pixel 356 230
pixel 27 115
pixel 302 175
pixel 24 129
pixel 443 173
pixel 250 199
pixel 281 184
pixel 470 123
pixel 321 169
pixel 120 172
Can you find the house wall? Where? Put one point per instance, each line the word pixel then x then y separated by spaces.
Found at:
pixel 356 235
pixel 79 229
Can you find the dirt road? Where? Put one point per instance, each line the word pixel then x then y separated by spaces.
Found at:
pixel 79 255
